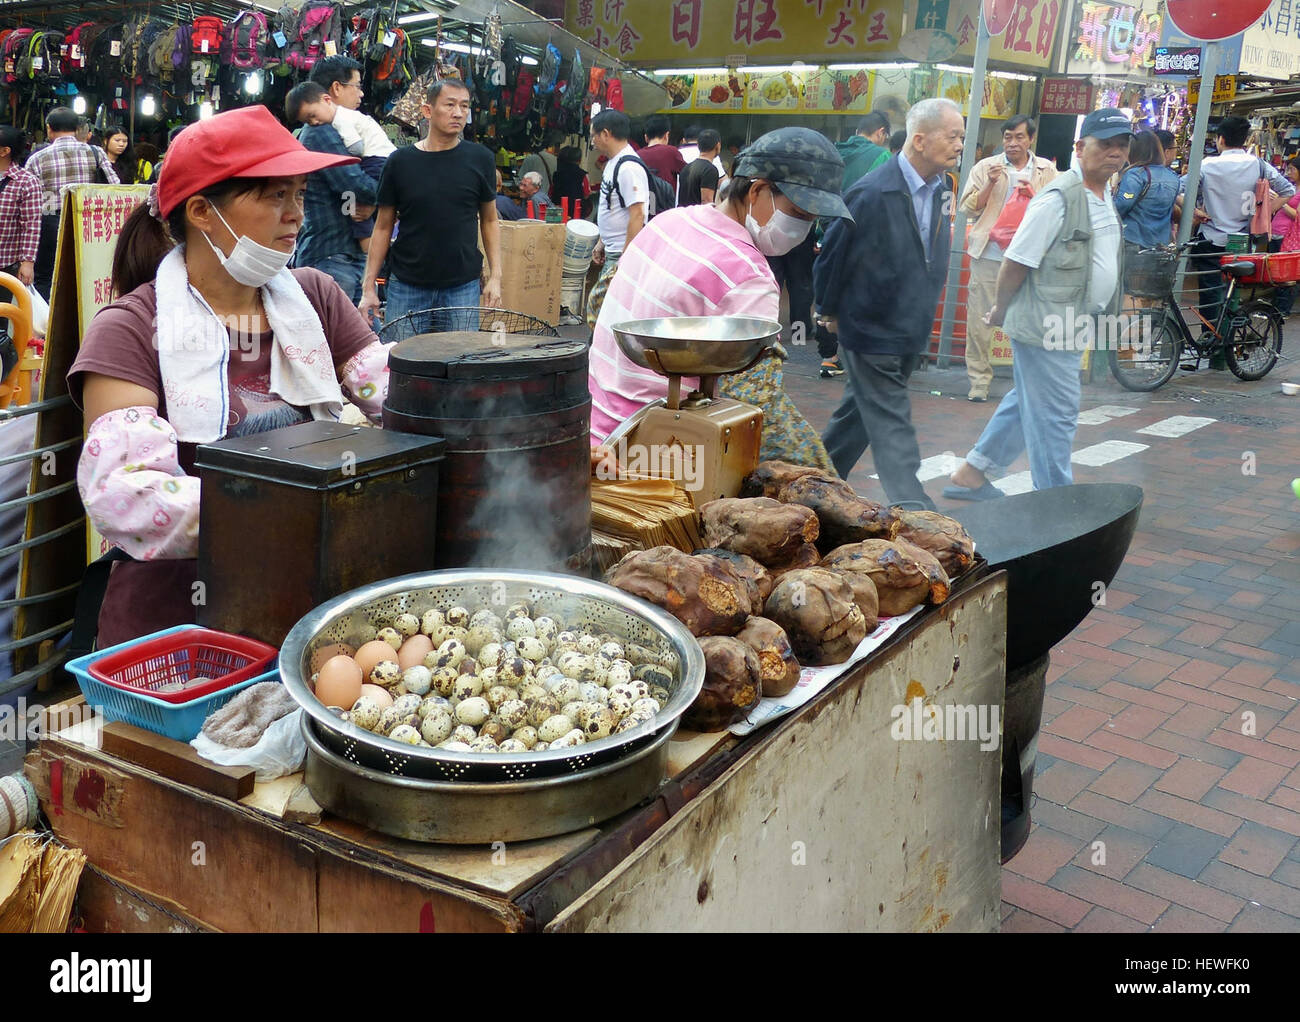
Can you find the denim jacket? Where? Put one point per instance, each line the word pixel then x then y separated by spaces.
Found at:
pixel 1146 217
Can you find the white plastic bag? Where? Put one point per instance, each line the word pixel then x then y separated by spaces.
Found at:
pixel 40 313
pixel 281 750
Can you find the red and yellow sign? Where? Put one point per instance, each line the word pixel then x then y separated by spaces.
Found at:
pixel 713 32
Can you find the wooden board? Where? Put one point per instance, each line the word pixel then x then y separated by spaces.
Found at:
pixel 105 905
pixel 827 821
pixel 176 761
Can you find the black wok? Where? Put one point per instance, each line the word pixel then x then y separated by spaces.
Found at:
pixel 1056 546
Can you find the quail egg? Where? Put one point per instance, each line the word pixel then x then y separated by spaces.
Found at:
pixel 456 746
pixel 453 650
pixel 484 619
pixel 498 694
pixel 541 747
pixel 531 649
pixel 463 733
pixel 566 691
pixel 432 621
pixel 593 693
pixel 527 735
pixel 619 673
pixel 407 704
pixel 388 720
pixel 436 726
pixel 386 673
pixel 627 724
pixel 599 723
pixel 573 738
pixel 407 624
pixel 417 679
pixel 479 636
pixel 542 708
pixel 366 713
pixel 490 654
pixel 531 690
pixel 620 702
pixel 514 670
pixel 572 709
pixel 513 745
pixel 513 713
pixel 646 705
pixel 555 726
pixel 406 734
pixel 520 609
pixel 473 711
pixel 391 636
pixel 546 628
pixel 466 687
pixel 496 730
pixel 457 617
pixel 520 627
pixel 588 644
pixel 443 680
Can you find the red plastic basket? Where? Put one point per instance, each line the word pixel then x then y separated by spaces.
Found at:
pixel 180 666
pixel 1270 268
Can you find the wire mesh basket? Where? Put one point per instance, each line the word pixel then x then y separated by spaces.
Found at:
pixel 1151 272
pixel 468 317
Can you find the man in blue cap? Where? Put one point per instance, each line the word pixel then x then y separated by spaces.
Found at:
pixel 1063 270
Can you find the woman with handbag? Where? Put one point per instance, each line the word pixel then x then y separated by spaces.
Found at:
pixel 1145 199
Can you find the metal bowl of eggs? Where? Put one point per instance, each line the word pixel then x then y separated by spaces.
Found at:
pixel 490 676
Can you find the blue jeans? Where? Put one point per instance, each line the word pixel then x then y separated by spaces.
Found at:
pixel 347 270
pixel 403 299
pixel 1039 414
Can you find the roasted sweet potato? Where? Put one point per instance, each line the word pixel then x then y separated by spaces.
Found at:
pixel 776 660
pixel 865 596
pixel 747 569
pixel 903 580
pixel 703 593
pixel 940 535
pixel 843 516
pixel 939 583
pixel 818 611
pixel 806 556
pixel 732 685
pixel 766 530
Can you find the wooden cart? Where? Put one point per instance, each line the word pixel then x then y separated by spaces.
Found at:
pixel 822 820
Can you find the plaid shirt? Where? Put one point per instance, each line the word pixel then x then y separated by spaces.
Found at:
pixel 66 162
pixel 326 229
pixel 20 216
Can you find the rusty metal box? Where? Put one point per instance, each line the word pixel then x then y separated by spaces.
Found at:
pixel 293 517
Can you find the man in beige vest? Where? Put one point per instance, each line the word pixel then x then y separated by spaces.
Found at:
pixel 992 182
pixel 1059 290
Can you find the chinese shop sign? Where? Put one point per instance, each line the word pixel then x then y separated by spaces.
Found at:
pixel 1271 46
pixel 1117 39
pixel 1066 96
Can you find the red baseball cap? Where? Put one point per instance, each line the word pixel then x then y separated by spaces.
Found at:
pixel 248 142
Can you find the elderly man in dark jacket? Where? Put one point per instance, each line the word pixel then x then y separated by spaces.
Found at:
pixel 877 283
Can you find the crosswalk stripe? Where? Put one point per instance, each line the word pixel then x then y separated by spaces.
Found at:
pixel 1178 425
pixel 1104 453
pixel 1102 414
pixel 1017 482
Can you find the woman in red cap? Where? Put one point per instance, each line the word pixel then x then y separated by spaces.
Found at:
pixel 210 336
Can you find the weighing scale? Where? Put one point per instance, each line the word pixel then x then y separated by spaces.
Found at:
pixel 710 439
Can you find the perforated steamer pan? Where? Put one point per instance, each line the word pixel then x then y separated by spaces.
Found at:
pixel 356 617
pixel 460 812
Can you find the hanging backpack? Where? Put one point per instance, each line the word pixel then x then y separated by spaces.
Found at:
pixel 135 61
pixel 614 94
pixel 76 43
pixel 205 38
pixel 510 58
pixel 44 62
pixel 181 52
pixel 550 71
pixel 318 23
pixel 16 43
pixel 521 99
pixel 160 54
pixel 389 73
pixel 246 39
pixel 596 86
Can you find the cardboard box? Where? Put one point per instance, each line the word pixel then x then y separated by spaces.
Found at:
pixel 532 264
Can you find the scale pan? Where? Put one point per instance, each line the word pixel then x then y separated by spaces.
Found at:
pixel 695 345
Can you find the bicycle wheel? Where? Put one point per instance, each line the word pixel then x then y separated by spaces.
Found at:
pixel 1255 340
pixel 1144 353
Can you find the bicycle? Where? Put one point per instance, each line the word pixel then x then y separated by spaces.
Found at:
pixel 1248 334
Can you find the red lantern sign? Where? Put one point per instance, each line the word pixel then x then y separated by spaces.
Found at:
pixel 997 15
pixel 1212 20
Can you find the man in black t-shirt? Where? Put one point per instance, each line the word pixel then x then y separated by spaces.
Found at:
pixel 442 189
pixel 700 181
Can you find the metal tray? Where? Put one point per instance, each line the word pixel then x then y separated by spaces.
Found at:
pixel 695 345
pixel 355 618
pixel 456 812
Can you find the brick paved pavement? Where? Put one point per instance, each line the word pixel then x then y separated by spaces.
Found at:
pixel 1171 724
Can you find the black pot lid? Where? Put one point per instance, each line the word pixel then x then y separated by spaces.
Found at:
pixel 479 354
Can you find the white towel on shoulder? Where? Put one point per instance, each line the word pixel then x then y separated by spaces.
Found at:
pixel 194 353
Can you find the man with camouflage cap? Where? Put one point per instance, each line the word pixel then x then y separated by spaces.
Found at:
pixel 876 284
pixel 708 260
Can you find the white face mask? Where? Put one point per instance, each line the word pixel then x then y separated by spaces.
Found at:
pixel 250 263
pixel 780 234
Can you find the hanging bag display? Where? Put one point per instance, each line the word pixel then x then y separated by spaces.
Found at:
pixel 246 39
pixel 205 39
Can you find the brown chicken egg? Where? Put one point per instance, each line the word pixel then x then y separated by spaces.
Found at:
pixel 379 694
pixel 414 650
pixel 334 649
pixel 371 653
pixel 339 682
